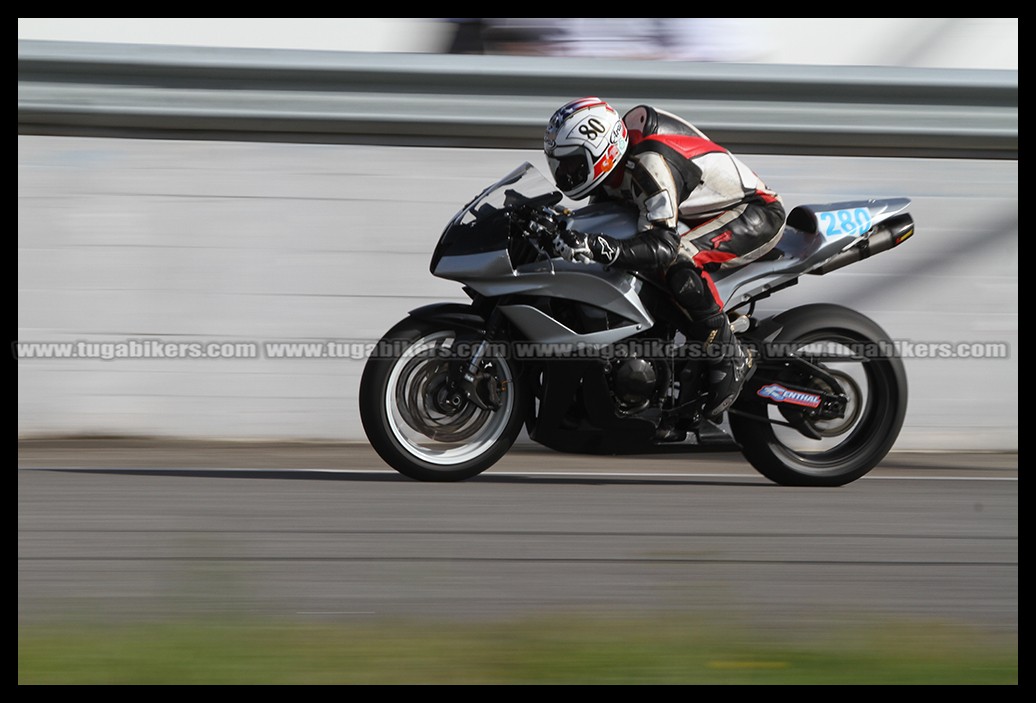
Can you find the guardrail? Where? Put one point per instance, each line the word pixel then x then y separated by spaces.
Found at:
pixel 503 101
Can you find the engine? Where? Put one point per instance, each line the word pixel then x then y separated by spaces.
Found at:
pixel 634 382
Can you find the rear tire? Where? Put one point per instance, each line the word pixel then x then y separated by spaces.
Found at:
pixel 405 420
pixel 849 446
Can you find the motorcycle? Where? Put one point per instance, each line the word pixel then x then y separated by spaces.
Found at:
pixel 591 359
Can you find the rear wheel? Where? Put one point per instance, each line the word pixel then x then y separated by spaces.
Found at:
pixel 839 350
pixel 418 423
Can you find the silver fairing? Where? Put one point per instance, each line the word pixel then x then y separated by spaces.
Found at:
pixel 491 275
pixel 813 236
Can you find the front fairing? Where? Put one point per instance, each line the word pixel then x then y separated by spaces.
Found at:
pixel 475 242
pixel 484 248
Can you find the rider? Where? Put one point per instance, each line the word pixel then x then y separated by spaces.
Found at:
pixel 677 178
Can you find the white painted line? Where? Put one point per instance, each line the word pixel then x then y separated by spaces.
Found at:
pixel 509 474
pixel 684 475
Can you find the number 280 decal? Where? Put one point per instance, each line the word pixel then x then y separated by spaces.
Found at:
pixel 852 221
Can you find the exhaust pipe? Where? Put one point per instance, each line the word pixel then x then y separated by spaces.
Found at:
pixel 888 234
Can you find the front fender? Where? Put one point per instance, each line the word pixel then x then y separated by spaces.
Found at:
pixel 457 315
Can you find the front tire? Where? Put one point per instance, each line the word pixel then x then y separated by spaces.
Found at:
pixel 873 380
pixel 409 425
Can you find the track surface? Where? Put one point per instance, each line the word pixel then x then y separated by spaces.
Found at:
pixel 137 529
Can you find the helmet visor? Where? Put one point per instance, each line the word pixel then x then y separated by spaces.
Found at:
pixel 570 171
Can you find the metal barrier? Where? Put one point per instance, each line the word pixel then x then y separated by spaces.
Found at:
pixel 503 101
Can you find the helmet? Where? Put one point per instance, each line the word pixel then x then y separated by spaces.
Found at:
pixel 584 142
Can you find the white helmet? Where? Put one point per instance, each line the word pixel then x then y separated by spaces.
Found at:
pixel 584 142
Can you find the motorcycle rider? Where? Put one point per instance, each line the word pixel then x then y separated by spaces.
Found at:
pixel 700 209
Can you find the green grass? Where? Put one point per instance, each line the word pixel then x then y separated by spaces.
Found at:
pixel 572 650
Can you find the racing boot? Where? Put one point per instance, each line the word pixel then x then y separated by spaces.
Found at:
pixel 730 363
pixel 675 430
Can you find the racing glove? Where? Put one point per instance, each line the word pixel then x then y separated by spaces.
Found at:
pixel 540 227
pixel 549 233
pixel 584 248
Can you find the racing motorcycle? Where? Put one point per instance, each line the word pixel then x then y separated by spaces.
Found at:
pixel 591 359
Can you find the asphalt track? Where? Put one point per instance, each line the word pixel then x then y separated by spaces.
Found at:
pixel 133 529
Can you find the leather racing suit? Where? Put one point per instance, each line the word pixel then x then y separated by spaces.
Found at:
pixel 700 209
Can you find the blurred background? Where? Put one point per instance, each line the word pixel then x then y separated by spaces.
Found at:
pixel 285 180
pixel 922 42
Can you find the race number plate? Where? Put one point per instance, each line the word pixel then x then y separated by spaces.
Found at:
pixel 854 221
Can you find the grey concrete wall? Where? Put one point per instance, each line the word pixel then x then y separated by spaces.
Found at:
pixel 184 241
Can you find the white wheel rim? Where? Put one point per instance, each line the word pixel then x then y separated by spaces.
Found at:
pixel 420 445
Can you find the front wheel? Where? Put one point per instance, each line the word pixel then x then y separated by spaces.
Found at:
pixel 822 349
pixel 418 423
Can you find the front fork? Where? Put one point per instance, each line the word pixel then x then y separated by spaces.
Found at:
pixel 468 380
pixel 483 389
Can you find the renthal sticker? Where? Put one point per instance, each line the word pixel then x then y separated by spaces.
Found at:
pixel 780 394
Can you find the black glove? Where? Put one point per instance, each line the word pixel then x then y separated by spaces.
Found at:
pixel 584 248
pixel 550 235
